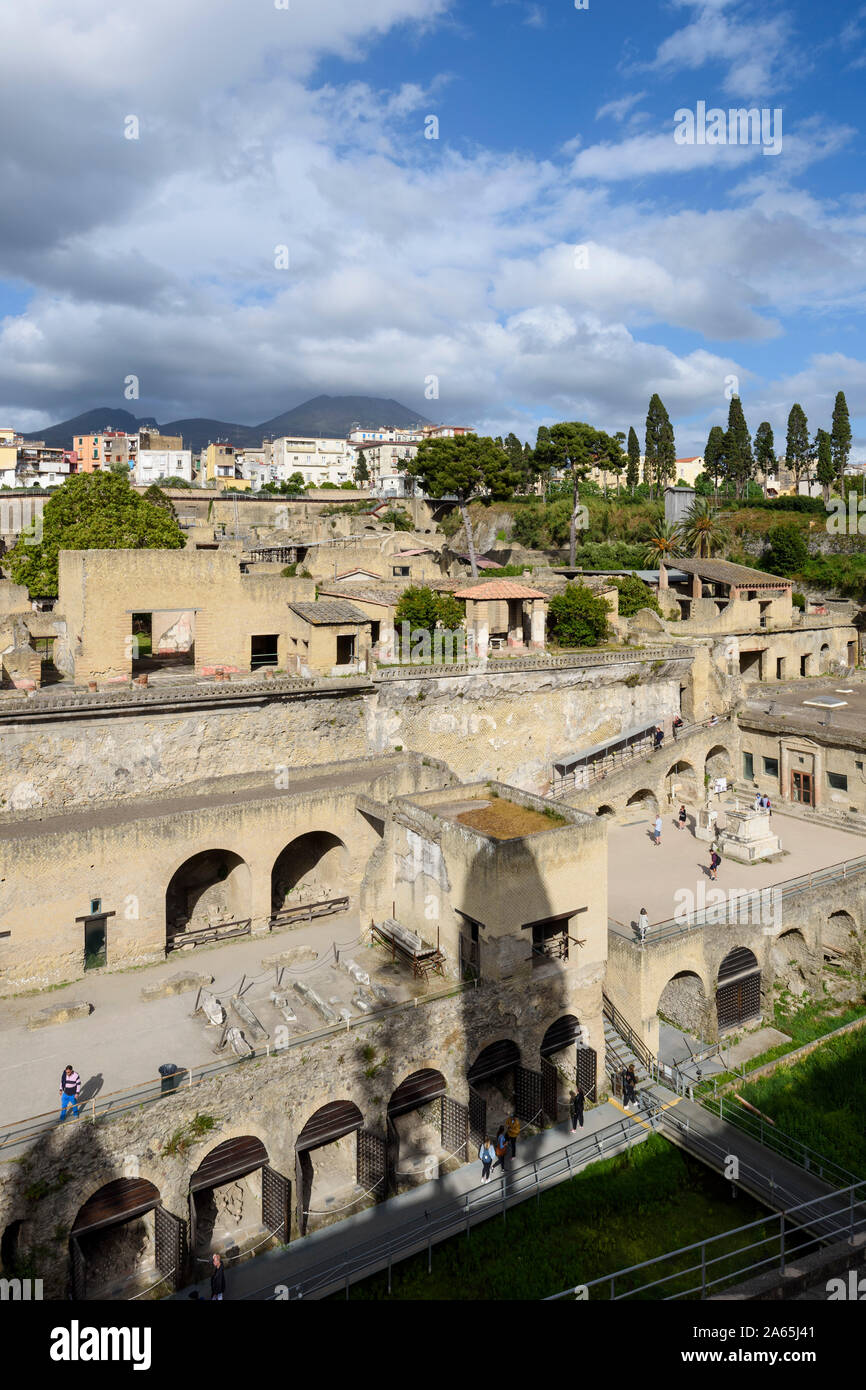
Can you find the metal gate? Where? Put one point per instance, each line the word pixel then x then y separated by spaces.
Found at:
pixel 587 1070
pixel 549 1089
pixel 372 1163
pixel 529 1094
pixel 77 1271
pixel 739 1001
pixel 169 1233
pixel 477 1117
pixel 276 1196
pixel 455 1128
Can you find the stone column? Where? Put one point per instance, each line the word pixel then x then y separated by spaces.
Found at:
pixel 537 620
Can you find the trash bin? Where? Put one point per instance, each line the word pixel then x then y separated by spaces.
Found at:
pixel 171 1077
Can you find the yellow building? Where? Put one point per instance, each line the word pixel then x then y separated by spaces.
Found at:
pixel 222 468
pixel 8 455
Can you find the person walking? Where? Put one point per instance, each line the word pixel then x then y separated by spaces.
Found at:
pixel 632 1084
pixel 682 818
pixel 217 1279
pixel 642 924
pixel 659 736
pixel 487 1154
pixel 677 724
pixel 512 1129
pixel 501 1147
pixel 657 831
pixel 715 861
pixel 575 1108
pixel 70 1087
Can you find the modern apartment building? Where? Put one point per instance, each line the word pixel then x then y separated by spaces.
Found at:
pixel 317 460
pixel 153 464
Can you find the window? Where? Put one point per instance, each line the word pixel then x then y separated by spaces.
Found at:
pixel 263 651
pixel 838 781
pixel 748 766
pixel 771 767
pixel 401 570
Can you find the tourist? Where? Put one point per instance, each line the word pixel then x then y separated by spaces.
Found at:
pixel 501 1147
pixel 217 1279
pixel 512 1129
pixel 575 1108
pixel 70 1086
pixel 632 1084
pixel 642 924
pixel 487 1154
pixel 759 801
pixel 657 831
pixel 677 724
pixel 767 804
pixel 715 861
pixel 659 736
pixel 682 818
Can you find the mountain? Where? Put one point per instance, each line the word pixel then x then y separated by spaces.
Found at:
pixel 90 422
pixel 329 416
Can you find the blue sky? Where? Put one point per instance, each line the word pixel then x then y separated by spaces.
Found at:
pixel 450 260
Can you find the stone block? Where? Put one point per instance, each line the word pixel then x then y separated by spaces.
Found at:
pixel 181 983
pixel 59 1013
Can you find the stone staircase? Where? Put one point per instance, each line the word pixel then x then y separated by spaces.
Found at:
pixel 618 1054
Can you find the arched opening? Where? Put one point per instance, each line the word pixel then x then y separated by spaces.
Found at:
pixel 417 1130
pixel 492 1085
pixel 718 763
pixel 564 1048
pixel 211 889
pixel 824 659
pixel 312 869
pixel 683 1004
pixel 605 811
pixel 682 783
pixel 640 805
pixel 10 1243
pixel 229 1203
pixel 738 992
pixel 840 945
pixel 112 1243
pixel 792 967
pixel 328 1162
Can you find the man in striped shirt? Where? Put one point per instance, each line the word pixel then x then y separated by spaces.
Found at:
pixel 70 1085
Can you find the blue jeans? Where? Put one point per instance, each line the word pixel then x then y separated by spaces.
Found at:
pixel 65 1102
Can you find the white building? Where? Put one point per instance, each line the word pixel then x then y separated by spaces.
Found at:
pixel 153 464
pixel 317 460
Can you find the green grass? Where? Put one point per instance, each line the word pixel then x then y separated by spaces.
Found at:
pixel 803 1026
pixel 615 1214
pixel 821 1100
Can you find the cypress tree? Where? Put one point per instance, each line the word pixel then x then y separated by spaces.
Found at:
pixel 632 473
pixel 840 438
pixel 738 447
pixel 797 447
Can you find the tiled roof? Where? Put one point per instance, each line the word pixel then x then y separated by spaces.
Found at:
pixel 723 572
pixel 359 569
pixel 498 589
pixel 366 593
pixel 333 611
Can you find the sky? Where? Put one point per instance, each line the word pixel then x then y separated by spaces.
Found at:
pixel 485 209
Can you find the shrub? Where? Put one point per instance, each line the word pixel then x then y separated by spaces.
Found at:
pixel 634 595
pixel 577 617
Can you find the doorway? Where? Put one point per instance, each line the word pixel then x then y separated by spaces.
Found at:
pixel 801 788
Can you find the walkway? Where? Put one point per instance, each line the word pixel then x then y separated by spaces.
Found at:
pixel 320 1259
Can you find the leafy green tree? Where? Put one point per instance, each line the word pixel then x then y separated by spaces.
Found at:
pixel 787 553
pixel 660 450
pixel 92 511
pixel 797 447
pixel 664 543
pixel 467 466
pixel 715 460
pixel 634 595
pixel 632 473
pixel 119 468
pixel 840 437
pixel 700 528
pixel 530 527
pixel 425 610
pixel 362 472
pixel 765 449
pixel 826 468
pixel 175 482
pixel 740 463
pixel 155 494
pixel 574 449
pixel 397 517
pixel 577 617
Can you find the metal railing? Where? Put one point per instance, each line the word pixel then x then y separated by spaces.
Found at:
pixel 457 1215
pixel 731 911
pixel 621 1025
pixel 785 1145
pixel 608 764
pixel 105 1107
pixel 704 1257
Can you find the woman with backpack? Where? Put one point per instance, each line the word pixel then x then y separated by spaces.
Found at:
pixel 487 1154
pixel 681 818
pixel 715 861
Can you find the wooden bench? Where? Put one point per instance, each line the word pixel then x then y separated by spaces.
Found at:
pixel 305 912
pixel 220 931
pixel 425 960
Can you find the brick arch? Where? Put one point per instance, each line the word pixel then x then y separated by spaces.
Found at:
pixel 841 939
pixel 315 858
pixel 686 1001
pixel 209 884
pixel 718 762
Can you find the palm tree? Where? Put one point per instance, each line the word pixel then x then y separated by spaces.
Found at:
pixel 663 544
pixel 701 528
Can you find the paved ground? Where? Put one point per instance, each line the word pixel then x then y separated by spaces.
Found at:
pixel 656 876
pixel 678 1047
pixel 124 1040
pixel 257 1277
